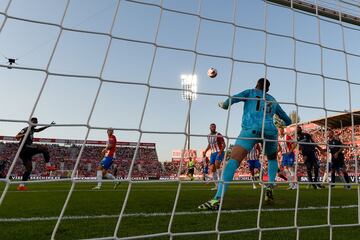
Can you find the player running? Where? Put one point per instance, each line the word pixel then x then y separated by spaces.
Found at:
pixel 105 164
pixel 286 149
pixel 216 144
pixel 29 150
pixel 255 109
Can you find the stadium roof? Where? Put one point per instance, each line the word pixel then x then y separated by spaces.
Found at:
pixel 339 120
pixel 349 10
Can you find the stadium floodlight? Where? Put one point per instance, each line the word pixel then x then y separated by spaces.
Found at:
pixel 189 86
pixel 189 93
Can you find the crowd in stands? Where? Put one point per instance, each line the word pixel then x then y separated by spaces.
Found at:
pixel 146 164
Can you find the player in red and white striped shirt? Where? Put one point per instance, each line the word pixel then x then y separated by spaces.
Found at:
pixel 286 149
pixel 216 144
pixel 254 163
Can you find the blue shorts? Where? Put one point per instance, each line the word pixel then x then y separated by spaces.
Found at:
pixel 206 170
pixel 288 159
pixel 254 164
pixel 248 144
pixel 214 156
pixel 106 162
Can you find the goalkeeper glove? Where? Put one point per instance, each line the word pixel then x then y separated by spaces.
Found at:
pixel 222 105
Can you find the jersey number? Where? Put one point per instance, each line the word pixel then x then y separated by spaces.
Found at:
pixel 268 105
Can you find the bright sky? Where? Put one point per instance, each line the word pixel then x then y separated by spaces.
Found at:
pixel 68 100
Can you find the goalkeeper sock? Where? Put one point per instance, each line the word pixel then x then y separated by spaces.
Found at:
pixel 99 177
pixel 272 169
pixel 228 174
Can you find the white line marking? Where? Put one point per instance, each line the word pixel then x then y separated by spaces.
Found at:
pixel 169 213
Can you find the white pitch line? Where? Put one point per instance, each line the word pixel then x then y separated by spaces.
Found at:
pixel 106 190
pixel 168 214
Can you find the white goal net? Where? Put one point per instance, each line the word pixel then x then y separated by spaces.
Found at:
pixel 141 68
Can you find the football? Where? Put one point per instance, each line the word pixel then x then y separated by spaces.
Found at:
pixel 212 72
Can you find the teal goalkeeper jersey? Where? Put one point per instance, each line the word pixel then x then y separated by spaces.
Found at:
pixel 254 107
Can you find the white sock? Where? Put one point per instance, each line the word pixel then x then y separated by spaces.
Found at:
pixel 288 175
pixel 207 178
pixel 99 177
pixel 292 177
pixel 21 185
pixel 109 176
pixel 218 173
pixel 325 177
pixel 215 177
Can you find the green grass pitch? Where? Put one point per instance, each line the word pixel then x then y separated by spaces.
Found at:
pixel 92 214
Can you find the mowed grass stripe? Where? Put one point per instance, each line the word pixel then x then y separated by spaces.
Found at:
pixel 169 214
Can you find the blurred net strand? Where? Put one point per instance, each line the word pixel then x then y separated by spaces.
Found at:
pixel 88 120
pixel 183 49
pixel 328 216
pixel 129 187
pixel 297 196
pixel 351 115
pixel 3 194
pixel 117 226
pixel 235 9
pixel 187 129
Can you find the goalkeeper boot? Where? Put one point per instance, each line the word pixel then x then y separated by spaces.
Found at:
pixel 269 194
pixel 210 205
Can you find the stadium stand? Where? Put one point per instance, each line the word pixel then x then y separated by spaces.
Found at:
pixel 147 165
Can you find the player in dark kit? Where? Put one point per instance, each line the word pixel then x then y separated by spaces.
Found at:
pixel 309 155
pixel 337 158
pixel 3 164
pixel 29 150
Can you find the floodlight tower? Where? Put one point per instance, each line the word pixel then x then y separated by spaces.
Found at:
pixel 189 94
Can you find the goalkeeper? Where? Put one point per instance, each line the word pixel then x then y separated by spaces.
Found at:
pixel 252 125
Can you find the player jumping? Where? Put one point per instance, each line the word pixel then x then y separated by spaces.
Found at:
pixel 255 108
